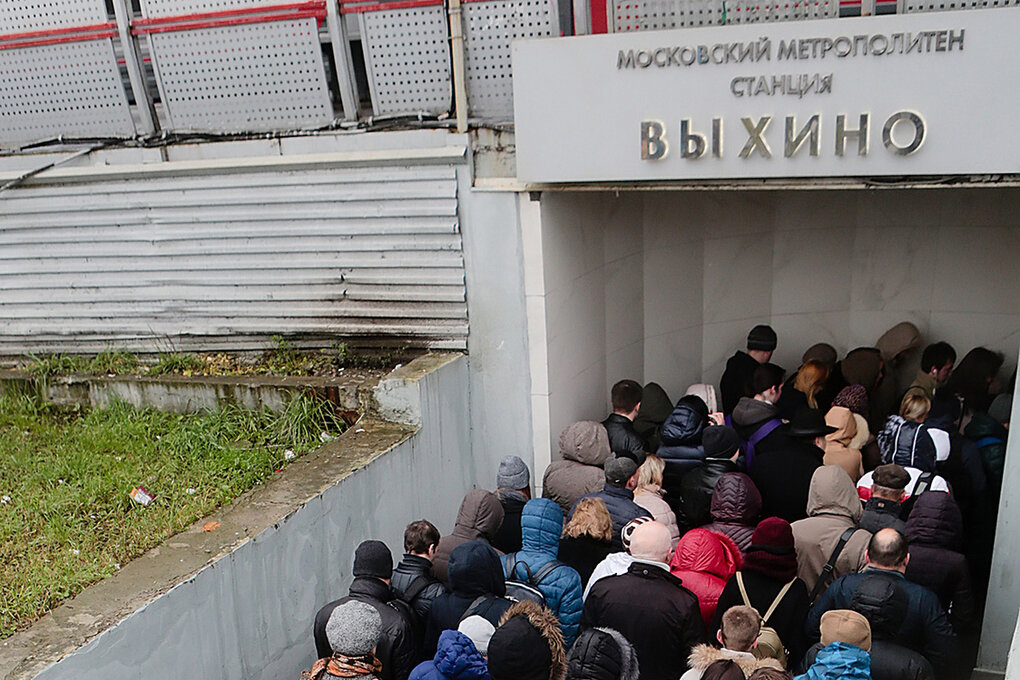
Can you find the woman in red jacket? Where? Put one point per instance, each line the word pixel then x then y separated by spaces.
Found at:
pixel 704 560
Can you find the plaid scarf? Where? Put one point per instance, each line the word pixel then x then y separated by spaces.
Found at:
pixel 340 666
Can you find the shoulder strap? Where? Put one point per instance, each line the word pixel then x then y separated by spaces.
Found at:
pixel 416 588
pixel 475 604
pixel 546 569
pixel 986 441
pixel 779 598
pixel 743 590
pixel 923 483
pixel 830 566
pixel 759 434
pixel 509 564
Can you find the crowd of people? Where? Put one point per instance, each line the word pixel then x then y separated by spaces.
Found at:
pixel 834 523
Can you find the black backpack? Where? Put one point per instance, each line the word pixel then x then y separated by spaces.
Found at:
pixel 518 590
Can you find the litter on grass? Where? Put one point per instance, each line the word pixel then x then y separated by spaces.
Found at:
pixel 140 495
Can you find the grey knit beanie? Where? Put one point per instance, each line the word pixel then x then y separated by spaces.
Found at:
pixel 353 628
pixel 1001 407
pixel 513 474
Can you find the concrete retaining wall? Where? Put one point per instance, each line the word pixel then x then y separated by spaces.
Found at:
pixel 248 615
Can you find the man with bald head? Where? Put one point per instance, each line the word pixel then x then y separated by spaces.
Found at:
pixel 925 629
pixel 649 606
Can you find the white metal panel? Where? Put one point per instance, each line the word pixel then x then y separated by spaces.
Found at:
pixel 489 28
pixel 407 56
pixel 651 15
pixel 250 77
pixel 68 88
pixel 225 261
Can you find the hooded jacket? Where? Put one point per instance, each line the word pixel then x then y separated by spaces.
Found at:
pixel 704 561
pixel 602 654
pixel 736 380
pixel 397 648
pixel 911 444
pixel 990 438
pixel 654 611
pixel 475 572
pixel 901 339
pixel 935 534
pixel 541 526
pixel 680 438
pixel 704 656
pixel 480 516
pixel 584 448
pixel 456 659
pixel 543 621
pixel 736 506
pixel 837 444
pixel 833 506
pixel 751 414
pixel 655 408
pixel 889 661
pixel 839 661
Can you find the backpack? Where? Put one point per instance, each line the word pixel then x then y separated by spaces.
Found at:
pixel 769 645
pixel 759 434
pixel 518 590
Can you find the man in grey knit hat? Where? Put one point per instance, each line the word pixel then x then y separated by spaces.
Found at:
pixel 513 488
pixel 353 631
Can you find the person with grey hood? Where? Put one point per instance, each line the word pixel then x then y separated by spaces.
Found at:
pixel 834 512
pixel 584 449
pixel 480 516
pixel 602 654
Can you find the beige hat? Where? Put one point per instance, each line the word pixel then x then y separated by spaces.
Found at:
pixel 843 625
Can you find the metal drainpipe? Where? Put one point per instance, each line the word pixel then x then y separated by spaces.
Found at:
pixel 457 45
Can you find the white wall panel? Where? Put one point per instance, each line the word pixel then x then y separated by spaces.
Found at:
pixel 230 259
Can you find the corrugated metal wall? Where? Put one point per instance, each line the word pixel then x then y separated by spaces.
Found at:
pixel 224 261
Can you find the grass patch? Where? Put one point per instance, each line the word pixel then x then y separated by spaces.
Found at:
pixel 66 519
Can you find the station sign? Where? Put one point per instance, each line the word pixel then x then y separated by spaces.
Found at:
pixel 905 95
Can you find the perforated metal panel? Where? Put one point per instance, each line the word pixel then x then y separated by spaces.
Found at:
pixel 488 31
pixel 649 15
pixel 71 88
pixel 407 56
pixel 252 77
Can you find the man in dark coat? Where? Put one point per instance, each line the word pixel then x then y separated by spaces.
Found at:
pixel 618 495
pixel 722 448
pixel 412 580
pixel 736 379
pixel 925 628
pixel 649 607
pixel 513 488
pixel 476 584
pixel 681 447
pixel 783 473
pixel 883 509
pixel 623 438
pixel 756 418
pixel 373 566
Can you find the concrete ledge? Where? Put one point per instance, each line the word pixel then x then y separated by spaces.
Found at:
pixel 237 602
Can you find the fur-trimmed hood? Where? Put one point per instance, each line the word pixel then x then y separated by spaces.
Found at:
pixel 546 623
pixel 703 656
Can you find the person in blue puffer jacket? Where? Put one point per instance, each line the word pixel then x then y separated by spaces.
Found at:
pixel 846 655
pixel 681 446
pixel 457 658
pixel 541 527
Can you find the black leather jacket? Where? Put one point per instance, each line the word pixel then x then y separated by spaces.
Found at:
pixel 405 577
pixel 623 439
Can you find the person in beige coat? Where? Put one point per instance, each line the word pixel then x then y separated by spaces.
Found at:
pixel 648 494
pixel 838 449
pixel 584 448
pixel 833 507
pixel 480 516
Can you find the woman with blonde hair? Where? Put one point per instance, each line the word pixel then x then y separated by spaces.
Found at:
pixel 587 538
pixel 915 407
pixel 802 391
pixel 648 494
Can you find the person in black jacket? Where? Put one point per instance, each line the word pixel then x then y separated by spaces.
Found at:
pixel 769 564
pixel 883 509
pixel 477 586
pixel 783 470
pixel 373 566
pixel 925 628
pixel 681 447
pixel 623 438
pixel 602 654
pixel 619 499
pixel 736 379
pixel 412 580
pixel 722 448
pixel 513 488
pixel 649 606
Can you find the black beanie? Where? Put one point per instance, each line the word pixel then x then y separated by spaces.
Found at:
pixel 762 337
pixel 720 441
pixel 373 558
pixel 517 651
